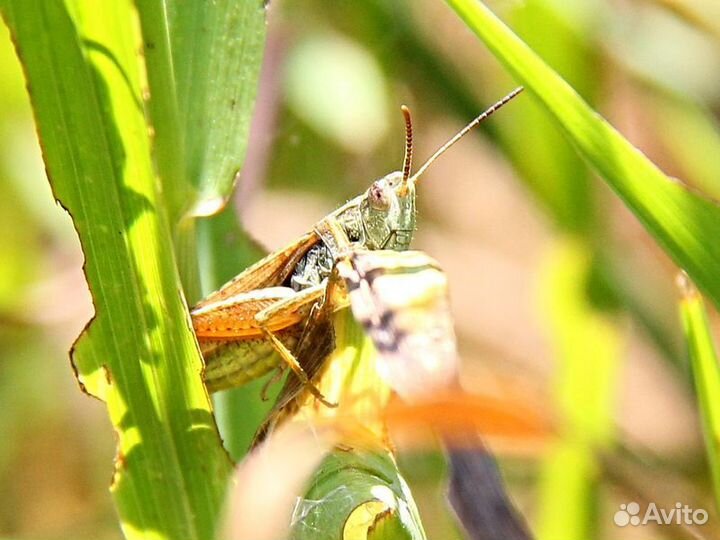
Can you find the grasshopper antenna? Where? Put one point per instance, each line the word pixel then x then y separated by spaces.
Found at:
pixel 407 161
pixel 460 134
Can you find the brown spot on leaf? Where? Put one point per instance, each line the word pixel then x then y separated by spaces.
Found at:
pixel 107 373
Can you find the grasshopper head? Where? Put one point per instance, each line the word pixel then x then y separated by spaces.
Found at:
pixel 388 206
pixel 388 213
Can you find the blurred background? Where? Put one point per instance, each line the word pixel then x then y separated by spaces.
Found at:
pixel 559 296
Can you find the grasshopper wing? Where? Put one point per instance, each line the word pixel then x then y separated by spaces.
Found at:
pixel 271 271
pixel 234 317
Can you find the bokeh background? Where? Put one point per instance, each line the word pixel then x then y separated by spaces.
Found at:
pixel 560 298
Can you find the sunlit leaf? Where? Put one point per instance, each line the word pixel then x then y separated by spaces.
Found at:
pixel 138 354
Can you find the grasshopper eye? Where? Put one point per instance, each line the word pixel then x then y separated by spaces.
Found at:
pixel 378 197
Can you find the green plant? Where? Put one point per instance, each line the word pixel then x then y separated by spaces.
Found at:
pixel 133 199
pixel 143 113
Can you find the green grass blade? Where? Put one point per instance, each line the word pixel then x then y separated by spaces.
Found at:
pixel 704 362
pixel 203 61
pixel 683 222
pixel 138 354
pixel 587 345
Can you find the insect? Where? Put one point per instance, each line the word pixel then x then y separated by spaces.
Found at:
pixel 259 320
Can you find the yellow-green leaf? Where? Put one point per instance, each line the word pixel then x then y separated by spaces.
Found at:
pixel 138 354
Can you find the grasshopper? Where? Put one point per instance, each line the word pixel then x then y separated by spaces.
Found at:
pixel 259 321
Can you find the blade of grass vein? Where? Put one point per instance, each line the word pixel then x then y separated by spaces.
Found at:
pixel 203 64
pixel 224 250
pixel 682 221
pixel 138 354
pixel 706 374
pixel 169 138
pixel 168 145
pixel 203 61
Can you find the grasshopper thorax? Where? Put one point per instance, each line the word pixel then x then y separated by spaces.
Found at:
pixel 387 213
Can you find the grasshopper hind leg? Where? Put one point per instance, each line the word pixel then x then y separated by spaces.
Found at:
pixel 314 346
pixel 290 305
pixel 297 369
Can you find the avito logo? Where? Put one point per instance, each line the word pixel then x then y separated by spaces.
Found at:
pixel 680 514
